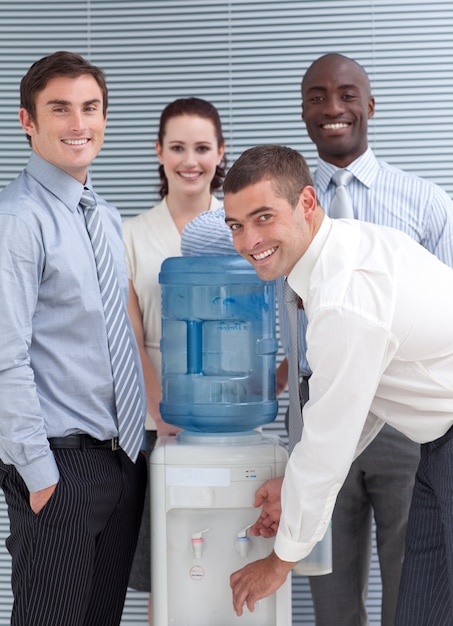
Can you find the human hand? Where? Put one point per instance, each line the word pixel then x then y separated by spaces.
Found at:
pixel 38 499
pixel 268 497
pixel 258 580
pixel 282 376
pixel 164 429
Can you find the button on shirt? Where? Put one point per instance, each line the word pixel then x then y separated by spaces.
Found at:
pixel 55 372
pixel 398 302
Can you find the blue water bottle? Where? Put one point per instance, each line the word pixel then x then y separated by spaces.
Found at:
pixel 218 345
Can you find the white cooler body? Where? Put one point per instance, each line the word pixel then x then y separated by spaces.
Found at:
pixel 202 493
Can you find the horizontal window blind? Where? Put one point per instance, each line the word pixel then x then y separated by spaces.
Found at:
pixel 248 58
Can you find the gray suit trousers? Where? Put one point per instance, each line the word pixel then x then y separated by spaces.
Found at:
pixel 380 483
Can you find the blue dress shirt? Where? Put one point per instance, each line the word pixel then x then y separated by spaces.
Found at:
pixel 55 372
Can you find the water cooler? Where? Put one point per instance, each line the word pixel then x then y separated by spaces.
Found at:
pixel 218 384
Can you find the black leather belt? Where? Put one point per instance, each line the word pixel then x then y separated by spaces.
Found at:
pixel 83 442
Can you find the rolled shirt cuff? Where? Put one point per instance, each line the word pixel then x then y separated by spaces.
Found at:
pixel 293 551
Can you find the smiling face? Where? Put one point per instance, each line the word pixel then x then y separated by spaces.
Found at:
pixel 189 154
pixel 69 125
pixel 267 231
pixel 336 107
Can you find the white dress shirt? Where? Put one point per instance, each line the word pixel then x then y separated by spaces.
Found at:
pixel 380 345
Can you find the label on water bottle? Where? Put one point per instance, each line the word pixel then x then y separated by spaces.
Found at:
pixel 226 348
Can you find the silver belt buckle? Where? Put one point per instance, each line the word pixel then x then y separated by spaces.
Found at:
pixel 115 444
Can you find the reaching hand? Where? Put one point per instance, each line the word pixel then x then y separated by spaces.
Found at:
pixel 164 429
pixel 258 580
pixel 268 497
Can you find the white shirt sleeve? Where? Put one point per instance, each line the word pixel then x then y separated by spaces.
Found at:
pixel 337 422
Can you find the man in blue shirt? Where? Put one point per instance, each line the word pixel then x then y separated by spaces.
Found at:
pixel 74 497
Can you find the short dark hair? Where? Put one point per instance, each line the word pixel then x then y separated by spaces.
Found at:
pixel 196 107
pixel 285 167
pixel 336 56
pixel 60 63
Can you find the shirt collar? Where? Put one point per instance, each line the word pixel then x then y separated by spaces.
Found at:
pixel 299 276
pixel 364 169
pixel 65 187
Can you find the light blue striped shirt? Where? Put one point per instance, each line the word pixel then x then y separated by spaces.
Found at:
pixel 383 194
pixel 55 371
pixel 207 234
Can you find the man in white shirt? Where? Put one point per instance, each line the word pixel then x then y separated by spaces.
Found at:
pixel 361 285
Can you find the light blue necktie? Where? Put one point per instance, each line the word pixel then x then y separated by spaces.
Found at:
pixel 295 414
pixel 128 398
pixel 341 205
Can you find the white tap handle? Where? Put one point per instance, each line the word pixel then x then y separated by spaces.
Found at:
pixel 199 534
pixel 243 532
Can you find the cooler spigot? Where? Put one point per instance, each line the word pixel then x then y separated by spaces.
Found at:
pixel 243 542
pixel 198 543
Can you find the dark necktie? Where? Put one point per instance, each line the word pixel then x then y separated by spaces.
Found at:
pixel 341 205
pixel 129 404
pixel 295 414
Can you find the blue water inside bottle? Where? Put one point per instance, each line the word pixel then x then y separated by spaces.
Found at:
pixel 218 345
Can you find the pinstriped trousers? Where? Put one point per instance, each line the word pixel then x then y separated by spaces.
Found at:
pixel 71 562
pixel 426 588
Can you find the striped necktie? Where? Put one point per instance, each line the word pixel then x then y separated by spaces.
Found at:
pixel 341 205
pixel 128 398
pixel 295 414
